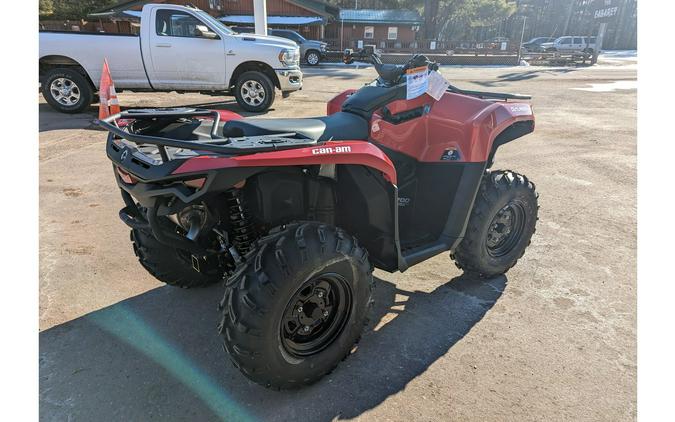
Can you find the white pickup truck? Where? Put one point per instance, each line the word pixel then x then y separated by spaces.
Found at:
pixel 180 48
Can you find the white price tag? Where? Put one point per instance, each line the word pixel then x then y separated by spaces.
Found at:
pixel 417 82
pixel 437 85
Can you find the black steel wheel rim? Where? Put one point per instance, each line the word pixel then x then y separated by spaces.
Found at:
pixel 506 229
pixel 316 315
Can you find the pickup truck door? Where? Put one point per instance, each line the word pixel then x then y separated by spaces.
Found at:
pixel 177 56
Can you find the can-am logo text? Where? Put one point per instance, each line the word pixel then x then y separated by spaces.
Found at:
pixel 331 150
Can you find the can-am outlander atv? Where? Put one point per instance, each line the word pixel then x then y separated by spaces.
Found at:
pixel 293 214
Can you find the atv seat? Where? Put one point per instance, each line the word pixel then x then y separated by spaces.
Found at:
pixel 336 127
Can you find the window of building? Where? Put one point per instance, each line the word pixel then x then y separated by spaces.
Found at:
pixel 369 32
pixel 392 33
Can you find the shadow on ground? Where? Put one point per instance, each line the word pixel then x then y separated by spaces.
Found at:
pixel 335 73
pixel 523 76
pixel 158 356
pixel 51 119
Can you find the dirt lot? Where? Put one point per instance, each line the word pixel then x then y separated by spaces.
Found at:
pixel 552 340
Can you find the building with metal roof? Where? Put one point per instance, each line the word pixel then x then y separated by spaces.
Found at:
pixel 379 16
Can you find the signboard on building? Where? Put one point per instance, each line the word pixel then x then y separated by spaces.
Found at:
pixel 605 10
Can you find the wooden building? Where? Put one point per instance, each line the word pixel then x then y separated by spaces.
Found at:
pixel 308 17
pixel 386 29
pixel 389 30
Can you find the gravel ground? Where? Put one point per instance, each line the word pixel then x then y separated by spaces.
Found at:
pixel 554 339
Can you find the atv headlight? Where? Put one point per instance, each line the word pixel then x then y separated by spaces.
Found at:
pixel 290 56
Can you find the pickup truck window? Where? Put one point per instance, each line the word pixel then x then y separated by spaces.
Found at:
pixel 214 22
pixel 174 23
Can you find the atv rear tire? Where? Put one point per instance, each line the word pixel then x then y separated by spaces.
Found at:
pixel 501 225
pixel 298 306
pixel 173 266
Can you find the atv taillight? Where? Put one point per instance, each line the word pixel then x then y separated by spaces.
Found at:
pixel 126 177
pixel 195 183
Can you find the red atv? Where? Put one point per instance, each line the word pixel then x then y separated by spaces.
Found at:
pixel 294 213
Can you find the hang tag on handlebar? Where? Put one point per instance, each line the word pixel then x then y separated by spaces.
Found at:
pixel 417 82
pixel 437 85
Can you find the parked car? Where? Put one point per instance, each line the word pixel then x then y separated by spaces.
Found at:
pixel 179 48
pixel 571 43
pixel 534 45
pixel 311 50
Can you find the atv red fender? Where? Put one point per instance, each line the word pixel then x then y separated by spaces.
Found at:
pixel 456 128
pixel 335 103
pixel 342 152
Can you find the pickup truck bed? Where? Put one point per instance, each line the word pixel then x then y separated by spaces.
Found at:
pixel 125 48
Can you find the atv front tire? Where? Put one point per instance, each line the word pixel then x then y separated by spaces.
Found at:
pixel 298 306
pixel 175 267
pixel 501 224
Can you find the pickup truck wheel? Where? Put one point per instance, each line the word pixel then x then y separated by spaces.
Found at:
pixel 313 57
pixel 254 91
pixel 67 90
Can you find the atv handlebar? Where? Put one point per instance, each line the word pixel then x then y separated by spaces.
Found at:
pixel 390 74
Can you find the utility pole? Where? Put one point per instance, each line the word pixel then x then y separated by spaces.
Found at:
pixel 569 16
pixel 260 16
pixel 342 33
pixel 522 35
pixel 598 42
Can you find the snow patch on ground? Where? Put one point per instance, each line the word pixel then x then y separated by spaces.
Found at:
pixel 619 54
pixel 610 86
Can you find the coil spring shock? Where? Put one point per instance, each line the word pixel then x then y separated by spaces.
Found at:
pixel 243 232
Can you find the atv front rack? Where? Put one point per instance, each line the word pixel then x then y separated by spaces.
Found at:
pixel 216 144
pixel 488 95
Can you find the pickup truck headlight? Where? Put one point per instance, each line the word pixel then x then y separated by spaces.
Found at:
pixel 290 56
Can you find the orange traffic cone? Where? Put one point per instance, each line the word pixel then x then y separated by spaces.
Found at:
pixel 108 104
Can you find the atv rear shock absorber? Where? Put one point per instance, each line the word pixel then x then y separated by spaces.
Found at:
pixel 243 232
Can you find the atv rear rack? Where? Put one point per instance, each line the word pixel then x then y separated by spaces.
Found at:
pixel 217 144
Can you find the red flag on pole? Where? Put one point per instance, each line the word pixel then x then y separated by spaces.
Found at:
pixel 106 92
